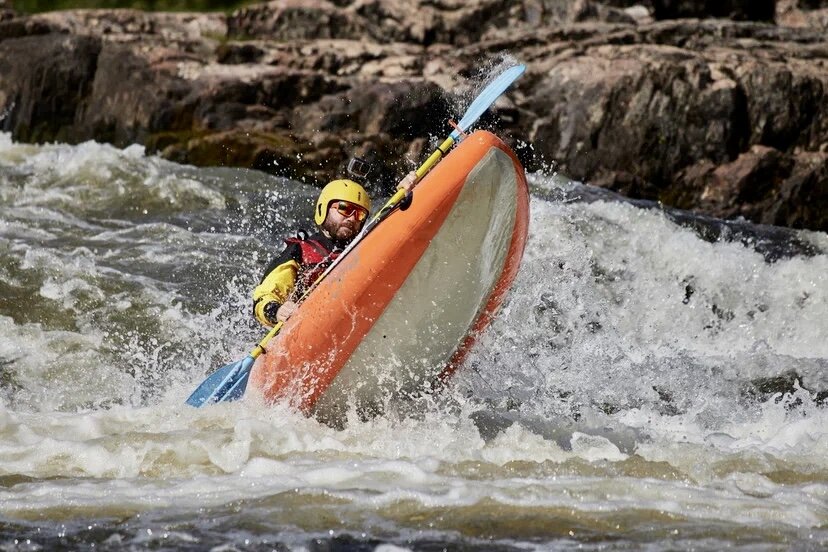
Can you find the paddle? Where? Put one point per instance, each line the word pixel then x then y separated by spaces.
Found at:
pixel 229 382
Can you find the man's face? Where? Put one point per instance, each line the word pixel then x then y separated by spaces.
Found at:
pixel 344 220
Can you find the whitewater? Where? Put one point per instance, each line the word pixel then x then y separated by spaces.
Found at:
pixel 646 385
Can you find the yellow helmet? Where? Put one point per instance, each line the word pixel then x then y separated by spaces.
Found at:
pixel 345 190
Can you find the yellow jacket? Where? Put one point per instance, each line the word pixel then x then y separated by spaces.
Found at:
pixel 292 272
pixel 277 286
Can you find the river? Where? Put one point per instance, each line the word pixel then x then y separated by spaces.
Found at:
pixel 644 387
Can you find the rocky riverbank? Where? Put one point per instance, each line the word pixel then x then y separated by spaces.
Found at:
pixel 654 99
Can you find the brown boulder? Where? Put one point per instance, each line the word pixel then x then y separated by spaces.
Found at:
pixel 750 179
pixel 286 20
pixel 615 111
pixel 644 110
pixel 712 115
pixel 763 185
pixel 419 21
pixel 802 199
pixel 803 13
pixel 41 97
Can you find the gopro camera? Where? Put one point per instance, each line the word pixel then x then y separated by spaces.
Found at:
pixel 359 168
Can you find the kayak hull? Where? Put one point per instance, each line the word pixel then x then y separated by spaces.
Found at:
pixel 399 313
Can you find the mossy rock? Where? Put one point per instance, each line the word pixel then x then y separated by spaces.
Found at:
pixel 269 152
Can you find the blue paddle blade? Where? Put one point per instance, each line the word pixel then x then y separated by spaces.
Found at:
pixel 487 97
pixel 236 391
pixel 225 384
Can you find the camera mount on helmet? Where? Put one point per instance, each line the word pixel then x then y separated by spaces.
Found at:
pixel 359 168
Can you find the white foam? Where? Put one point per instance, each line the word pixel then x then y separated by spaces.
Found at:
pixel 599 332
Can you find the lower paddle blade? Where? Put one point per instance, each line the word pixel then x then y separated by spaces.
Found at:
pixel 237 389
pixel 219 384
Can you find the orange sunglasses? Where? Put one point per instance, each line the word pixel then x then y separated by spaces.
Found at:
pixel 347 209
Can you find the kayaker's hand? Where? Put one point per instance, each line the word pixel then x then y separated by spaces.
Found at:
pixel 408 181
pixel 286 310
pixel 270 310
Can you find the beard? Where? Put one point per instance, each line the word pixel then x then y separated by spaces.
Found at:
pixel 343 232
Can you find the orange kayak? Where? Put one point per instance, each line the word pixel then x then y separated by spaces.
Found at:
pixel 399 313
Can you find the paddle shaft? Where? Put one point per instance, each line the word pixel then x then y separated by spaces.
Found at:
pixel 260 346
pixel 438 154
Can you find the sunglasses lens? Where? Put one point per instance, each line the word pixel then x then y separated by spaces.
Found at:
pixel 346 210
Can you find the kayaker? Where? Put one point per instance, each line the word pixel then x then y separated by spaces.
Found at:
pixel 340 212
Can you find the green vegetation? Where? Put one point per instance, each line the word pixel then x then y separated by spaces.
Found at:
pixel 34 6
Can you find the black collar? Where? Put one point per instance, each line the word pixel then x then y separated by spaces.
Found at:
pixel 328 243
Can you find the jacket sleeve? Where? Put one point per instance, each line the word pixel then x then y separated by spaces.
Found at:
pixel 277 283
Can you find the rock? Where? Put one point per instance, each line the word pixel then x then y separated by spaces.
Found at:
pixel 754 10
pixel 644 110
pixel 653 110
pixel 286 20
pixel 123 26
pixel 600 12
pixel 740 10
pixel 802 199
pixel 267 152
pixel 727 118
pixel 640 14
pixel 7 10
pixel 763 185
pixel 803 13
pixel 380 21
pixel 751 178
pixel 41 98
pixel 419 21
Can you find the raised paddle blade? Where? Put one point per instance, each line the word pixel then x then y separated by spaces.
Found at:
pixel 481 103
pixel 487 97
pixel 225 384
